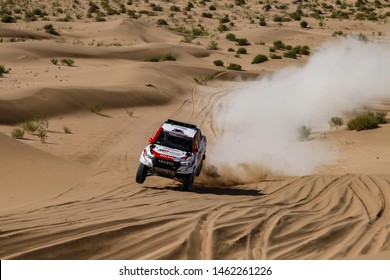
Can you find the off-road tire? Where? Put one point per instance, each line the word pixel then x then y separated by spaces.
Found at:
pixel 188 181
pixel 141 174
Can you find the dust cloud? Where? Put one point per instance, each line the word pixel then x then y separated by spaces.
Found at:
pixel 258 125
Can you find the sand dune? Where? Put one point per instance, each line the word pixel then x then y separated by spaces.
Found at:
pixel 74 196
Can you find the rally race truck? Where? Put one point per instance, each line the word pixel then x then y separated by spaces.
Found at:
pixel 176 151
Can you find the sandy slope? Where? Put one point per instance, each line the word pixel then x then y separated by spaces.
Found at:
pixel 74 197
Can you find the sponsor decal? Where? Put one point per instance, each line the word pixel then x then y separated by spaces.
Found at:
pixel 167 162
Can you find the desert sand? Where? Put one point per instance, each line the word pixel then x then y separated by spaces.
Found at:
pixel 74 195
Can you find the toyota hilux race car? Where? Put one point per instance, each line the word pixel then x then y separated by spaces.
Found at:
pixel 176 151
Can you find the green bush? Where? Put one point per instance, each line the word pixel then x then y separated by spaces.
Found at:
pixel 275 56
pixel 304 24
pixel 291 54
pixel 304 132
pixel 67 130
pixel 381 117
pixel 222 28
pixel 49 28
pixel 168 57
pixel 54 60
pixel 262 22
pixel 7 19
pixel 231 37
pixel 17 133
pixel 67 61
pixel 242 42
pixel 207 15
pixel 152 59
pixel 213 45
pixel 161 21
pixel 242 51
pixel 231 50
pixel 96 108
pixel 224 19
pixel 368 120
pixel 42 134
pixel 234 66
pixel 3 70
pixel 279 45
pixel 260 58
pixel 29 126
pixel 336 122
pixel 41 120
pixel 218 62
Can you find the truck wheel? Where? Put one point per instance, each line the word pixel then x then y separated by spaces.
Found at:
pixel 188 181
pixel 142 172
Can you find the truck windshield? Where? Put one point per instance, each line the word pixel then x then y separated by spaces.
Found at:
pixel 174 141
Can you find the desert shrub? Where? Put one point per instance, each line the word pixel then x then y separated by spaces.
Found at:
pixel 242 42
pixel 174 8
pixel 132 14
pixel 42 134
pixel 96 108
pixel 222 28
pixel 99 18
pixel 168 57
pixel 204 80
pixel 279 45
pixel 207 15
pixel 67 61
pixel 224 19
pixel 161 21
pixel 295 16
pixel 7 19
pixel 338 33
pixel 304 132
pixel 336 122
pixel 218 62
pixel 156 8
pixel 212 8
pixel 129 112
pixel 303 24
pixel 262 22
pixel 213 45
pixel 291 54
pixel 67 129
pixel 242 51
pixel 54 60
pixel 231 50
pixel 260 58
pixel 93 8
pixel 199 32
pixel 277 18
pixel 231 37
pixel 234 66
pixel 381 117
pixel 189 6
pixel 275 56
pixel 49 28
pixel 41 120
pixel 29 126
pixel 368 120
pixel 3 70
pixel 17 133
pixel 239 2
pixel 152 59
